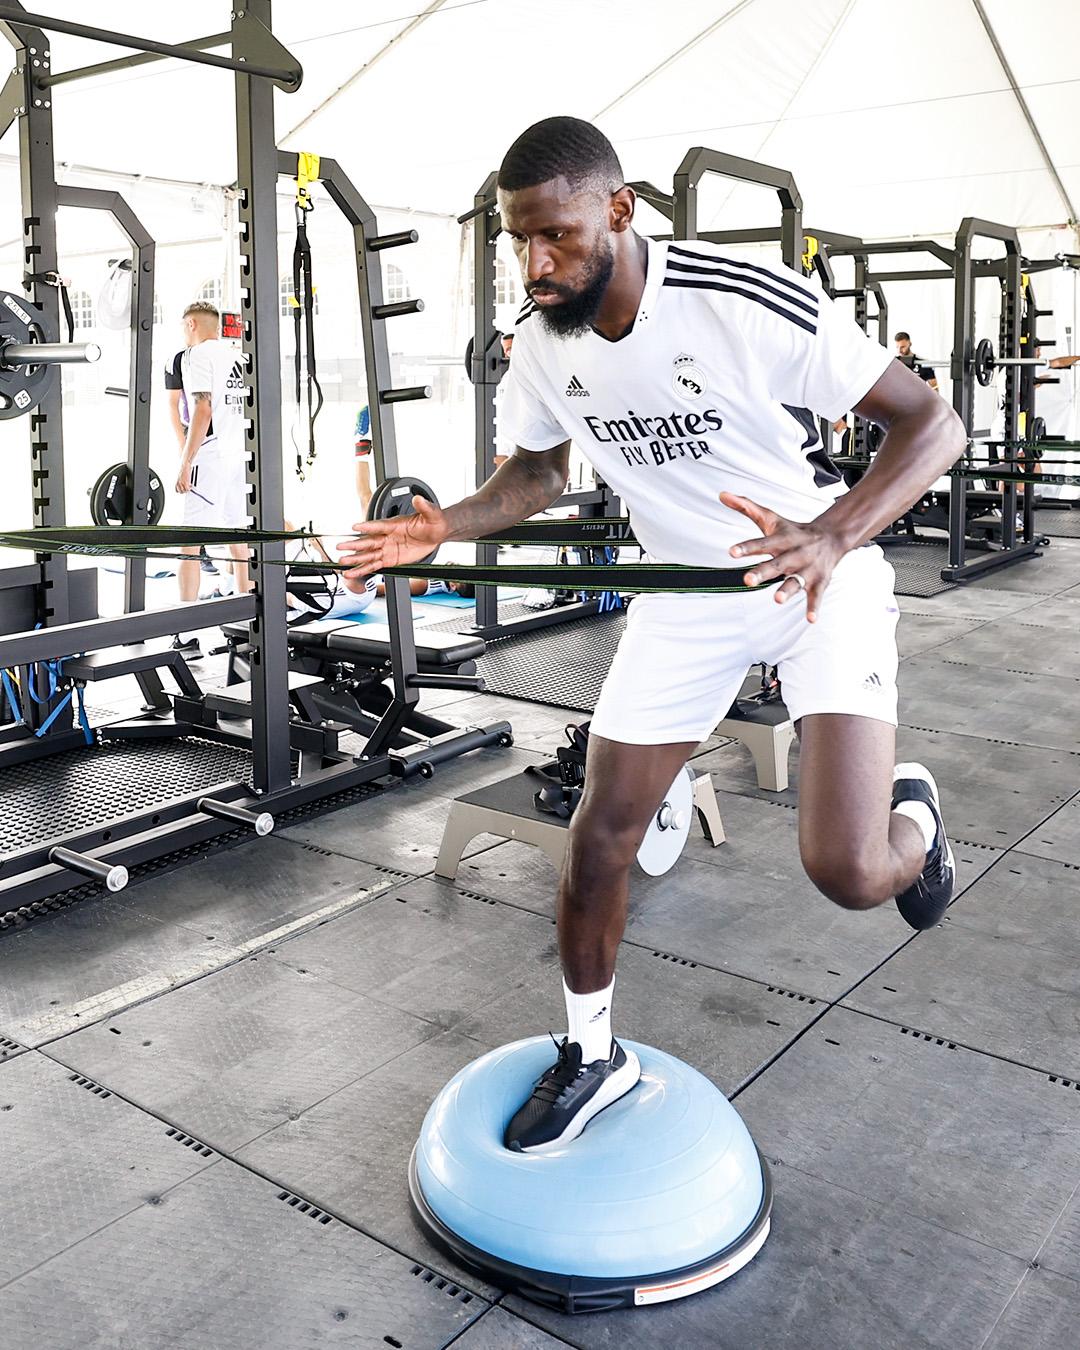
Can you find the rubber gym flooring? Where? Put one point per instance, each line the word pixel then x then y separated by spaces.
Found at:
pixel 211 1082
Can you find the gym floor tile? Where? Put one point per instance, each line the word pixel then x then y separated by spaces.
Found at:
pixel 1035 651
pixel 1061 611
pixel 1047 575
pixel 77 1159
pixel 527 719
pixel 401 829
pixel 428 949
pixel 839 1271
pixel 239 1052
pixel 501 1330
pixel 993 704
pixel 999 975
pixel 225 1260
pixel 10 1050
pixel 350 1152
pixel 746 908
pixel 991 794
pixel 924 632
pixel 724 1026
pixel 965 602
pixel 1062 1250
pixel 247 895
pixel 987 1150
pixel 1044 1313
pixel 1059 837
pixel 88 962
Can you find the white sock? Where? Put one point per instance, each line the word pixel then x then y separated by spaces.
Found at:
pixel 588 1018
pixel 921 814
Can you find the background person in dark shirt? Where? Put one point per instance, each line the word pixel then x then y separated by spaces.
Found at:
pixel 907 357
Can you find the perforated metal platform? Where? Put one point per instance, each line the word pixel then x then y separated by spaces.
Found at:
pixel 1058 522
pixel 918 564
pixel 88 788
pixel 564 665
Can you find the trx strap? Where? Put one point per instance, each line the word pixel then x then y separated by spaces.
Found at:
pixel 307 390
pixel 55 279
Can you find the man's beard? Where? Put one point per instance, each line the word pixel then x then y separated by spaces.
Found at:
pixel 574 315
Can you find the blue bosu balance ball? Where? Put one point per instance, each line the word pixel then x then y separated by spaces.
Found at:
pixel 663 1195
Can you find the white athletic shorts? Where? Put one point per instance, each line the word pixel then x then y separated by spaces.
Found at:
pixel 683 658
pixel 218 493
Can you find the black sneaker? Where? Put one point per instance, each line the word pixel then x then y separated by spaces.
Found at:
pixel 207 564
pixel 568 1095
pixel 924 904
pixel 189 650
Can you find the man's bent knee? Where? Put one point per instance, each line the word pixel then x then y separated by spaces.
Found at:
pixel 849 883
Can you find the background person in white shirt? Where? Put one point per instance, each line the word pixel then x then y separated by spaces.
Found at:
pixel 212 472
pixel 692 381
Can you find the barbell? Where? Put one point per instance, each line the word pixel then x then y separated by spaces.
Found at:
pixel 27 361
pixel 983 363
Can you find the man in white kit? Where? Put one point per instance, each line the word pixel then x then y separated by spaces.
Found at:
pixel 693 382
pixel 212 473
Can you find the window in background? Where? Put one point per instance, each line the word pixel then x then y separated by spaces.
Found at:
pixel 211 290
pixel 82 308
pixel 397 284
pixel 505 284
pixel 159 313
pixel 285 292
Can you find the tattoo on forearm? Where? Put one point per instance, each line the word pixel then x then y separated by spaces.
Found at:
pixel 522 486
pixel 201 398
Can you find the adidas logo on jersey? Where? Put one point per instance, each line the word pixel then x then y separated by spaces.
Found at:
pixel 575 389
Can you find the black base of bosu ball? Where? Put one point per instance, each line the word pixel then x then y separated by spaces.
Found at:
pixel 665 1193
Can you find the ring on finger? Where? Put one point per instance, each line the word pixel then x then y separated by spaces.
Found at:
pixel 796 576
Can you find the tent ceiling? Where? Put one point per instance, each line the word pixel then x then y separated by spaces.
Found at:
pixel 894 119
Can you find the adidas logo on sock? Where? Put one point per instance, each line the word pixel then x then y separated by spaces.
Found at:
pixel 597 1016
pixel 873 682
pixel 575 389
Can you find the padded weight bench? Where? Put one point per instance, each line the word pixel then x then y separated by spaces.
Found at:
pixel 506 809
pixel 368 645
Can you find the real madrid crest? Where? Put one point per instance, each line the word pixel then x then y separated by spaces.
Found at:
pixel 687 379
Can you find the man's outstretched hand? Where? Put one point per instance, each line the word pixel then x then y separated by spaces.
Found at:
pixel 394 543
pixel 807 550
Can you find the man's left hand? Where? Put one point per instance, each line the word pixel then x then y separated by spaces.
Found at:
pixel 183 480
pixel 796 551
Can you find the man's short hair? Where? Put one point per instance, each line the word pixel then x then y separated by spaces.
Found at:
pixel 203 307
pixel 561 147
pixel 902 337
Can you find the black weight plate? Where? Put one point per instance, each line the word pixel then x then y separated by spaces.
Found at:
pixel 393 498
pixel 984 362
pixel 111 499
pixel 1037 430
pixel 22 389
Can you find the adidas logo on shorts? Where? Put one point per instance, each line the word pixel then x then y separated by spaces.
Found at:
pixel 575 389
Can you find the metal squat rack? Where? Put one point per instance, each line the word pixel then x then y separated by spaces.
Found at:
pixel 287 762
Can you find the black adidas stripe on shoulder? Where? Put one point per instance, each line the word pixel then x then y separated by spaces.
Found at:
pixel 804 291
pixel 677 268
pixel 527 310
pixel 702 284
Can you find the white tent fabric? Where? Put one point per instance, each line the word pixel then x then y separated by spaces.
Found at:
pixel 896 120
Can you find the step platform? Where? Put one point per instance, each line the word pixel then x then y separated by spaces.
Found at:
pixel 664 1194
pixel 506 809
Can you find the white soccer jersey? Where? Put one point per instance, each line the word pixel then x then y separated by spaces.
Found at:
pixel 715 388
pixel 214 367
